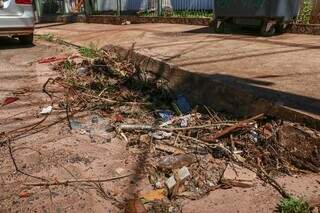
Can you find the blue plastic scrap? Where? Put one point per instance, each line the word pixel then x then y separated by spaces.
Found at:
pixel 183 104
pixel 75 124
pixel 165 115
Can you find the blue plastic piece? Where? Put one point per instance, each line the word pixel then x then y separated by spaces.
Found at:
pixel 183 104
pixel 165 115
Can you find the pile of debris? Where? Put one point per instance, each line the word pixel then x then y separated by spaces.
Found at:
pixel 192 151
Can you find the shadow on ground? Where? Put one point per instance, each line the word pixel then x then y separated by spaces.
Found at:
pixel 239 95
pixel 12 43
pixel 250 35
pixel 39 26
pixel 226 93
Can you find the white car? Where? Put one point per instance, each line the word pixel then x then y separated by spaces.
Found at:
pixel 17 19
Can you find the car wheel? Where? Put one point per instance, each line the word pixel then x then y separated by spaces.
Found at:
pixel 26 39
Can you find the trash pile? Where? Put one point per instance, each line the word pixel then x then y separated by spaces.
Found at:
pixel 191 149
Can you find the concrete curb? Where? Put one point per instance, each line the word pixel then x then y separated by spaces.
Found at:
pixel 224 97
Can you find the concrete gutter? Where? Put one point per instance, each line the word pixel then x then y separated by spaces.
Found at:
pixel 223 96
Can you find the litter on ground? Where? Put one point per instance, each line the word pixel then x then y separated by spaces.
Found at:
pixel 192 150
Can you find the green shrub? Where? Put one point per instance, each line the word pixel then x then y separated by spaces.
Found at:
pixel 47 37
pixel 305 13
pixel 90 52
pixel 293 205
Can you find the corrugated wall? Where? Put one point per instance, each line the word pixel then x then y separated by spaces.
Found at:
pixel 189 4
pixel 107 5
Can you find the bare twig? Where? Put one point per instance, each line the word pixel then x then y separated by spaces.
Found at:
pixel 132 127
pixel 216 146
pixel 114 101
pixel 16 166
pixel 233 147
pixel 209 112
pixel 232 128
pixel 32 126
pixel 124 136
pixel 67 111
pixel 263 176
pixel 26 147
pixel 66 182
pixel 268 179
pixel 15 134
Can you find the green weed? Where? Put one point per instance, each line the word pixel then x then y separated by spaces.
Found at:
pixel 68 65
pixel 305 13
pixel 90 52
pixel 179 14
pixel 293 205
pixel 193 14
pixel 47 37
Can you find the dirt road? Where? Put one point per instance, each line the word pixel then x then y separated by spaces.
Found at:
pixel 57 153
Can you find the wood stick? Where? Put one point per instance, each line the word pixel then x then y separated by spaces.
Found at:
pixel 66 182
pixel 129 127
pixel 230 129
pixel 209 112
pixel 16 166
pixel 222 148
pixel 114 101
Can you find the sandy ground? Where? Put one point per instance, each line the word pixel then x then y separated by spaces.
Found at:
pixel 61 154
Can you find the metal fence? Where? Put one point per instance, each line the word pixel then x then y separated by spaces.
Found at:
pixel 127 7
pixel 154 7
pixel 309 12
pixel 138 5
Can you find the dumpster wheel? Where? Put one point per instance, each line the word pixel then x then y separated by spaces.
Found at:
pixel 281 27
pixel 219 26
pixel 268 28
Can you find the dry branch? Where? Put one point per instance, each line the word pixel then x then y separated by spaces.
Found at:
pixel 66 182
pixel 232 128
pixel 133 127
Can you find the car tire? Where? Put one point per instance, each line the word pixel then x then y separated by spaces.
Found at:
pixel 26 39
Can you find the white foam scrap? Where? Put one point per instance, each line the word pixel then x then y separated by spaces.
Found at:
pixel 160 135
pixel 170 182
pixel 46 110
pixel 183 173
